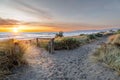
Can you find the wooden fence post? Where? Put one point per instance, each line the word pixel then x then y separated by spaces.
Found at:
pixel 37 41
pixel 16 47
pixel 30 41
pixel 51 46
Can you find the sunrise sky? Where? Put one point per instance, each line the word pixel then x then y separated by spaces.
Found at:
pixel 58 15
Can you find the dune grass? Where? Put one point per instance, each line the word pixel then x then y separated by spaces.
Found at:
pixel 68 43
pixel 64 43
pixel 118 32
pixel 9 58
pixel 109 54
pixel 115 39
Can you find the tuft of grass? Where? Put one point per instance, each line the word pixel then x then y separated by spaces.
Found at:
pixel 43 43
pixel 92 36
pixel 82 34
pixel 109 53
pixel 111 38
pixel 118 32
pixel 98 34
pixel 84 40
pixel 66 43
pixel 115 40
pixel 9 58
pixel 95 36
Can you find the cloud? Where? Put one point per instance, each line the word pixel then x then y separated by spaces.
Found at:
pixel 62 26
pixel 57 26
pixel 32 10
pixel 8 22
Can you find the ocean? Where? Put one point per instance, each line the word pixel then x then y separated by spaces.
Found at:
pixel 30 35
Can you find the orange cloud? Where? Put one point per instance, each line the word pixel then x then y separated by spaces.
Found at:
pixel 8 21
pixel 7 24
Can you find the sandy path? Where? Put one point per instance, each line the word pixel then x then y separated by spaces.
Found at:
pixel 64 65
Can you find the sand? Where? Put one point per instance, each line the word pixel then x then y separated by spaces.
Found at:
pixel 63 65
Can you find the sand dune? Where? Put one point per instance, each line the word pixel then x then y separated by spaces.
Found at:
pixel 72 64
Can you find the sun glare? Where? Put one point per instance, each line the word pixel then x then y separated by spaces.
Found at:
pixel 15 30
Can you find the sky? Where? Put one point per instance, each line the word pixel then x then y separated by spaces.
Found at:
pixel 59 15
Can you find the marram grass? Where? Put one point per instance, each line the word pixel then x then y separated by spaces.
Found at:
pixel 9 58
pixel 109 54
pixel 68 43
pixel 116 40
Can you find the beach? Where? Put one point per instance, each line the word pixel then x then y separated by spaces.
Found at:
pixel 59 40
pixel 30 58
pixel 73 64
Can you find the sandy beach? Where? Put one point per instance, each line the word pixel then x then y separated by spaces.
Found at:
pixel 63 65
pixel 59 40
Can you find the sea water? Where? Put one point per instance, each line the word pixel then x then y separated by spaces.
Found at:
pixel 29 35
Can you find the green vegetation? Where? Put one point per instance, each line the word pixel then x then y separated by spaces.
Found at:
pixel 82 34
pixel 9 57
pixel 92 36
pixel 95 36
pixel 66 43
pixel 75 41
pixel 60 34
pixel 118 31
pixel 109 53
pixel 83 39
pixel 98 34
pixel 43 43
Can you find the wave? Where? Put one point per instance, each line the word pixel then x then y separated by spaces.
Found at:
pixel 30 35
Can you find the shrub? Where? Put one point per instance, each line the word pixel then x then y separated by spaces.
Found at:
pixel 98 35
pixel 118 31
pixel 43 43
pixel 82 34
pixel 92 36
pixel 60 34
pixel 66 43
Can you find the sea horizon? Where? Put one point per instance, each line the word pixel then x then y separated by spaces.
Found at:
pixel 30 35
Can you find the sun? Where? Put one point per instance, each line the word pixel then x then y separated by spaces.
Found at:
pixel 15 30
